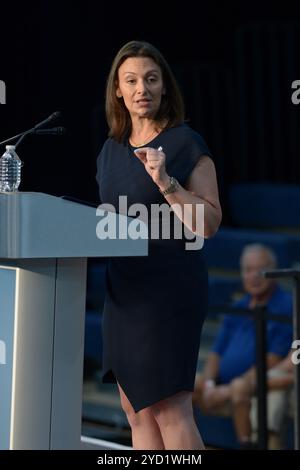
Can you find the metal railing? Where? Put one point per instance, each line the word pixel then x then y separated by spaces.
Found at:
pixel 260 316
pixel 293 274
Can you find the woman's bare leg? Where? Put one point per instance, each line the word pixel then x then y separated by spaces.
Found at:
pixel 176 422
pixel 144 428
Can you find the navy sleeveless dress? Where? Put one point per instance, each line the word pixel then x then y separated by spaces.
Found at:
pixel 155 305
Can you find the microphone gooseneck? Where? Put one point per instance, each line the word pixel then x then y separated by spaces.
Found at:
pixel 53 117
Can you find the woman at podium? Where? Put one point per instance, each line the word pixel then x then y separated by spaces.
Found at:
pixel 155 305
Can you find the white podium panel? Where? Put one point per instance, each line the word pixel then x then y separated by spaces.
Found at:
pixel 7 320
pixel 37 225
pixel 44 245
pixel 27 372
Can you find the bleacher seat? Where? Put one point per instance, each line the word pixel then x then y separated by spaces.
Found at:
pixel 95 288
pixel 95 295
pixel 224 249
pixel 93 338
pixel 222 290
pixel 265 205
pixel 216 431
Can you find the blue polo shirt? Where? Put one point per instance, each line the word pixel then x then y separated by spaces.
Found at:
pixel 235 342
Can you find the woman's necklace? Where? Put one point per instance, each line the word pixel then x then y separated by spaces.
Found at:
pixel 149 138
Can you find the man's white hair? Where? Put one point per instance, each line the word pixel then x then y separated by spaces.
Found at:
pixel 260 248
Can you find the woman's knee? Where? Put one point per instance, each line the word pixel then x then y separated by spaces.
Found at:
pixel 128 408
pixel 134 418
pixel 174 409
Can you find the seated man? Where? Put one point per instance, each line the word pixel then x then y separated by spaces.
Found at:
pixel 233 353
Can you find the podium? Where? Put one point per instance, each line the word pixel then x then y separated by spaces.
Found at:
pixel 44 245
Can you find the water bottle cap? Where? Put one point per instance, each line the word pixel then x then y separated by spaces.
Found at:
pixel 10 147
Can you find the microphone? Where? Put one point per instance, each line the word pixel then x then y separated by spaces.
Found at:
pixel 53 117
pixel 53 131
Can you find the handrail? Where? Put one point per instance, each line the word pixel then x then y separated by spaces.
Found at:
pixel 295 275
pixel 260 316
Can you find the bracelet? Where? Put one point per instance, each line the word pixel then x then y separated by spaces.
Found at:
pixel 172 188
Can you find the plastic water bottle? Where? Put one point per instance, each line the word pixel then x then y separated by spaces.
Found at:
pixel 10 170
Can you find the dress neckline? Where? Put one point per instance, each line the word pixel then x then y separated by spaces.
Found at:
pixel 148 144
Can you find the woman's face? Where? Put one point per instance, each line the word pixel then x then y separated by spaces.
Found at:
pixel 141 85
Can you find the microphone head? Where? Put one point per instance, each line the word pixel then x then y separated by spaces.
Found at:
pixel 51 118
pixel 55 115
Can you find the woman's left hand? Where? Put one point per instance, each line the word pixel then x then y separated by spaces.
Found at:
pixel 154 161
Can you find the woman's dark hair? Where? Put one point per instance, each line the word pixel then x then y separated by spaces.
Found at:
pixel 171 110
